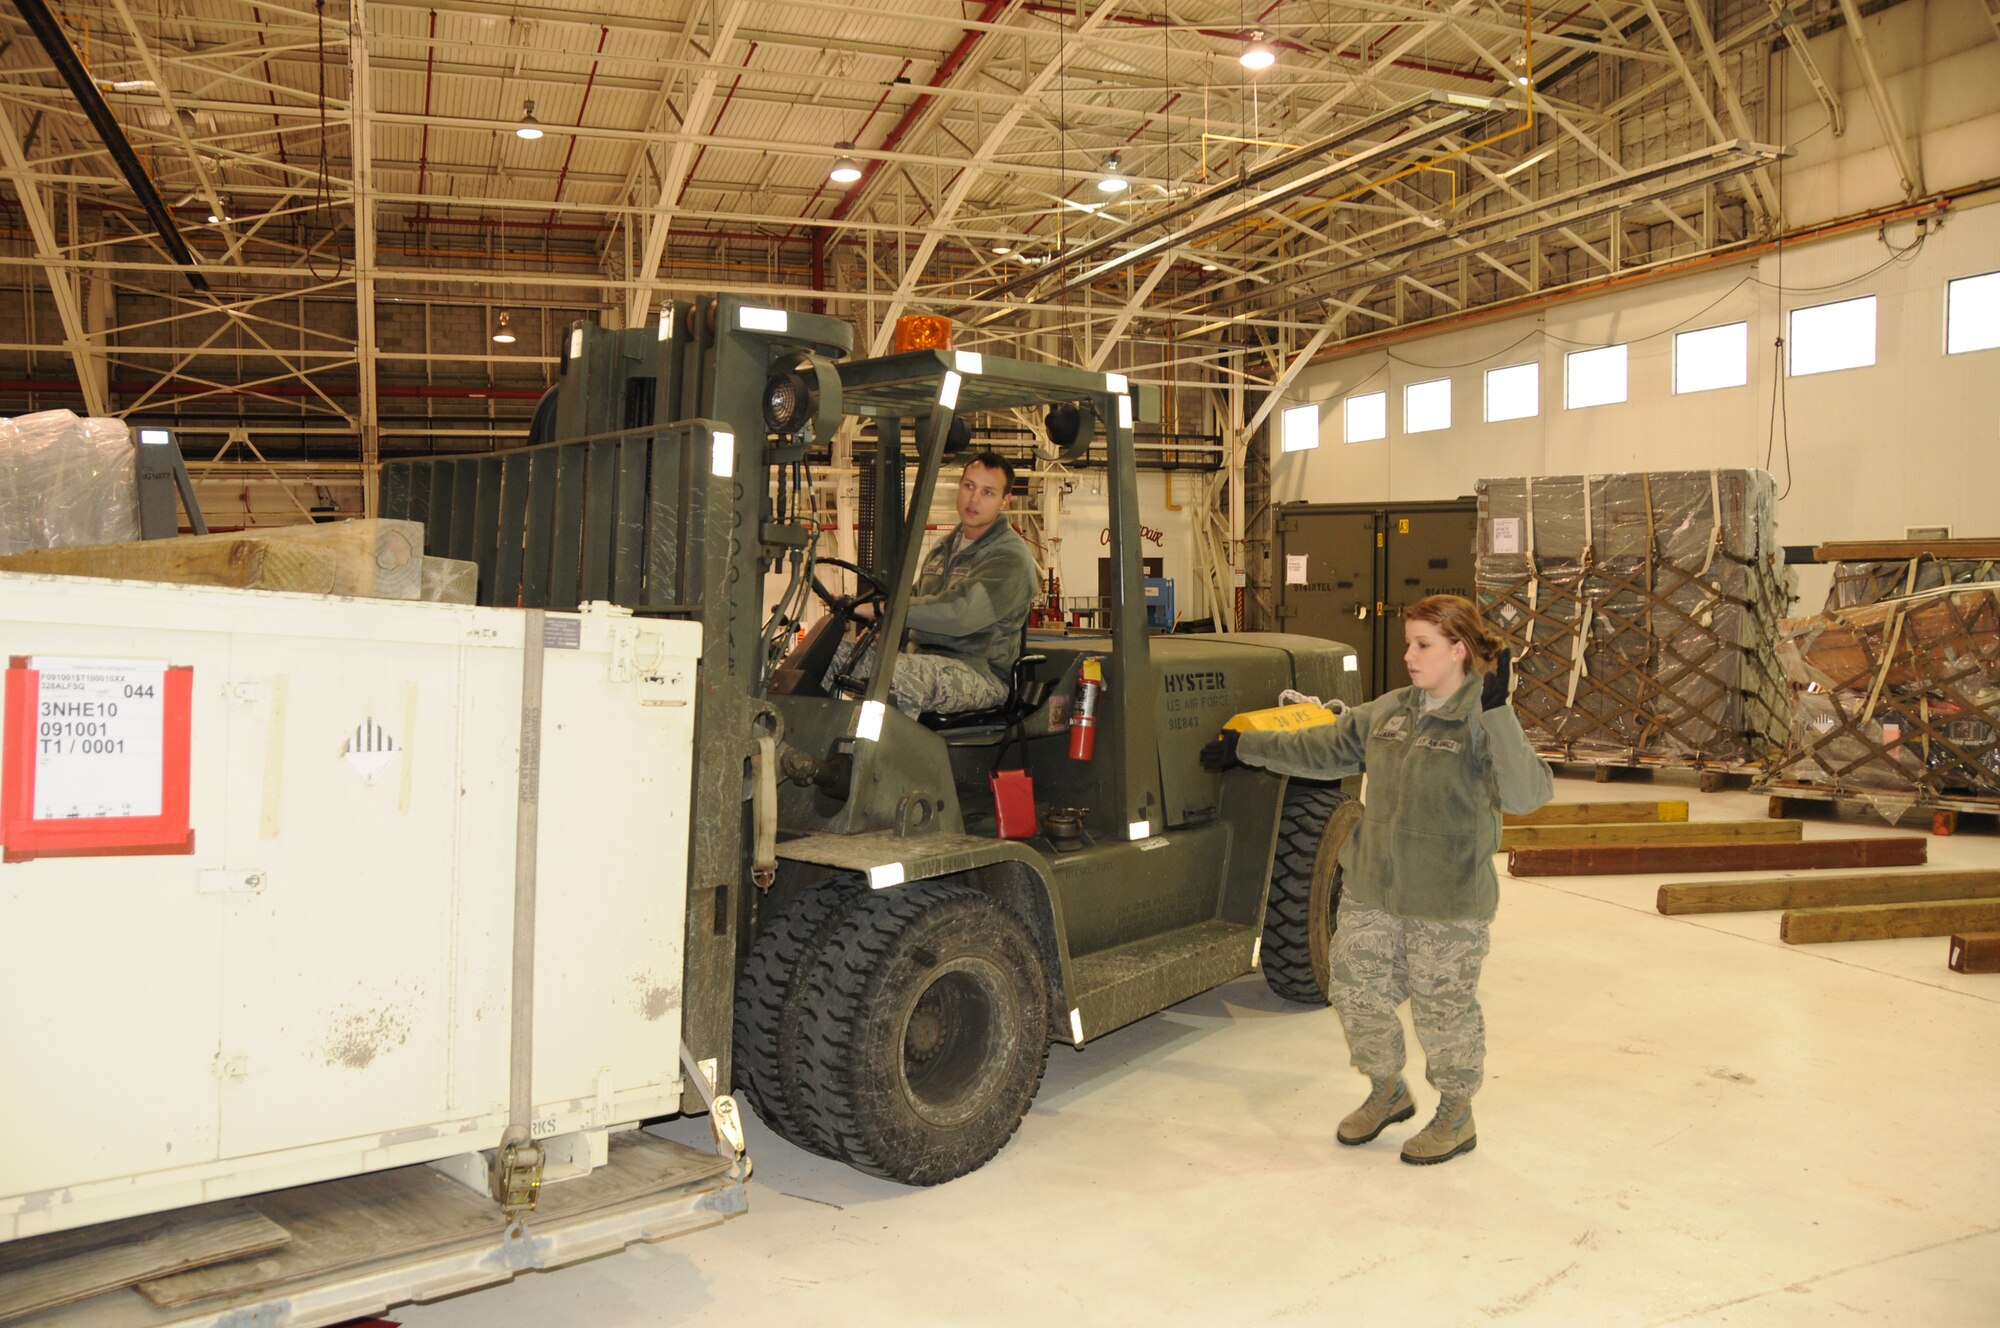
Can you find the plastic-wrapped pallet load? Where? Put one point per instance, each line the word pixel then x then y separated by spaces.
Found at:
pixel 66 480
pixel 1643 611
pixel 1859 583
pixel 1900 697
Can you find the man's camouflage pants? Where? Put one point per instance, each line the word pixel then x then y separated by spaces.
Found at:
pixel 927 682
pixel 1381 960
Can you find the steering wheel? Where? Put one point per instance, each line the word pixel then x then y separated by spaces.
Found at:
pixel 872 589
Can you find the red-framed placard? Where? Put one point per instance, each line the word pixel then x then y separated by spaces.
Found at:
pixel 81 737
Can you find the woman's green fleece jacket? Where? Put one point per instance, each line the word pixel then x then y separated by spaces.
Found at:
pixel 1437 785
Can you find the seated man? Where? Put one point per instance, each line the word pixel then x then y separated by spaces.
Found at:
pixel 963 628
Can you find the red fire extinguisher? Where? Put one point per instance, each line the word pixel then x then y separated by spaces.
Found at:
pixel 1083 714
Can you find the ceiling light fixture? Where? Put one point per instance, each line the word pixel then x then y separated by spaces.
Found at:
pixel 502 333
pixel 530 128
pixel 1003 249
pixel 224 210
pixel 1521 68
pixel 1208 267
pixel 1113 182
pixel 1258 54
pixel 844 170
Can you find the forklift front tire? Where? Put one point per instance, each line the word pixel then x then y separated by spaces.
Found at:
pixel 1299 916
pixel 925 1033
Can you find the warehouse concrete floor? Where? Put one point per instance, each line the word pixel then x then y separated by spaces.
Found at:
pixel 1685 1121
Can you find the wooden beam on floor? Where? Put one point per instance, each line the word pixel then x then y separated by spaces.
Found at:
pixel 1627 860
pixel 1826 891
pixel 1974 952
pixel 1666 832
pixel 1877 922
pixel 1602 813
pixel 1881 551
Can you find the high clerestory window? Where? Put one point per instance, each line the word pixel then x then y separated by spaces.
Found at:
pixel 1299 428
pixel 1513 392
pixel 1594 377
pixel 1427 406
pixel 1712 357
pixel 1824 338
pixel 1972 314
pixel 1366 417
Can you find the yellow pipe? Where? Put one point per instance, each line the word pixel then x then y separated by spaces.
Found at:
pixel 1232 138
pixel 1528 58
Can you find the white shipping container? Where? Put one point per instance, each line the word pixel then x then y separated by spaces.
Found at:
pixel 323 985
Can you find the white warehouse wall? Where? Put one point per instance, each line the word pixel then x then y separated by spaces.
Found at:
pixel 1168 536
pixel 1861 453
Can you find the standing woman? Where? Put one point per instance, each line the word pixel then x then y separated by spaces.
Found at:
pixel 1444 757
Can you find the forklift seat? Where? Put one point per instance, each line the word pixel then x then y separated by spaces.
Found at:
pixel 1025 694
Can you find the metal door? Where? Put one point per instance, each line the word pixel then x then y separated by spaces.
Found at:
pixel 1427 550
pixel 1326 581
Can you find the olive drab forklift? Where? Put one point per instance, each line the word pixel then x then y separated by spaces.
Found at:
pixel 873 966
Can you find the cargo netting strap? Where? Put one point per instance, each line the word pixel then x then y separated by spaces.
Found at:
pixel 1715 521
pixel 1900 697
pixel 1534 582
pixel 517 1161
pixel 1622 659
pixel 1578 667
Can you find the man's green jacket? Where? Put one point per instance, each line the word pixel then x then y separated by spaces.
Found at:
pixel 971 599
pixel 1438 782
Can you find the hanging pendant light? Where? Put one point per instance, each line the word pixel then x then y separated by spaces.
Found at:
pixel 1113 182
pixel 1258 54
pixel 530 128
pixel 845 169
pixel 502 333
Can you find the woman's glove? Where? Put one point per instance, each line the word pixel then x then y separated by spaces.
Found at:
pixel 1494 693
pixel 1221 754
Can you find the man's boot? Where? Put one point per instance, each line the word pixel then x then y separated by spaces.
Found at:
pixel 1449 1134
pixel 1388 1103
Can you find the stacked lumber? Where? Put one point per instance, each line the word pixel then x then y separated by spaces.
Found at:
pixel 373 558
pixel 1629 860
pixel 1600 813
pixel 1575 839
pixel 1866 906
pixel 1642 611
pixel 1657 832
pixel 1877 922
pixel 1828 891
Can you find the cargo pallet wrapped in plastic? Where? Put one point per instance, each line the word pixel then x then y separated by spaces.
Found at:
pixel 66 480
pixel 1642 610
pixel 1856 584
pixel 1898 703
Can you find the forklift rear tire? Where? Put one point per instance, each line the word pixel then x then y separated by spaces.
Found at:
pixel 925 1032
pixel 768 997
pixel 1299 916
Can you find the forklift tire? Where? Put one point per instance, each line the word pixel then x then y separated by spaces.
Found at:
pixel 768 998
pixel 1299 916
pixel 925 1032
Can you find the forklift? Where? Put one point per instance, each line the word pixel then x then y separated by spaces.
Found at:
pixel 892 918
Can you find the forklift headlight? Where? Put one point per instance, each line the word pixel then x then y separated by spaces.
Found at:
pixel 790 399
pixel 1064 421
pixel 1071 426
